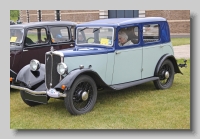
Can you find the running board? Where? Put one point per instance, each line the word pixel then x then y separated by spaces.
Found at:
pixel 130 84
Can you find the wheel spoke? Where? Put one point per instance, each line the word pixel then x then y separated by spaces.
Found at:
pixel 79 104
pixel 163 70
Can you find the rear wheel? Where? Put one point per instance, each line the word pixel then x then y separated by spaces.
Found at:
pixel 166 75
pixel 82 96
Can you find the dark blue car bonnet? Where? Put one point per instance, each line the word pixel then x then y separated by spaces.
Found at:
pixel 81 51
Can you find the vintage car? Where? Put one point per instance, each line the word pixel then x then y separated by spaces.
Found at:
pixel 12 22
pixel 111 54
pixel 32 40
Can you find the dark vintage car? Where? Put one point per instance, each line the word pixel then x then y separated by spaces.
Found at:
pixel 12 22
pixel 32 40
pixel 109 54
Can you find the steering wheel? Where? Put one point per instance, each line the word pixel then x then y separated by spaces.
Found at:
pixel 89 39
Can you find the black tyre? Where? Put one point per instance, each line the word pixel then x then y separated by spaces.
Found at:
pixel 166 75
pixel 82 96
pixel 30 103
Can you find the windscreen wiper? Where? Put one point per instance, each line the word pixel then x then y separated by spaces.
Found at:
pixel 83 29
pixel 96 29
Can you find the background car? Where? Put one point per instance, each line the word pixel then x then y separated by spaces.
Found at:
pixel 12 22
pixel 110 54
pixel 32 40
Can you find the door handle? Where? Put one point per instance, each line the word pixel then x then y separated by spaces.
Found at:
pixel 25 50
pixel 117 52
pixel 161 46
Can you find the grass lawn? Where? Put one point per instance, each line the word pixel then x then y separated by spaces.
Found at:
pixel 138 107
pixel 180 41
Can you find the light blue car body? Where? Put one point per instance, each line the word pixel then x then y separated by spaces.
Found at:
pixel 116 65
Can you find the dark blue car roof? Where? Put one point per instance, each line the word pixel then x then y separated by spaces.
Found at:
pixel 122 21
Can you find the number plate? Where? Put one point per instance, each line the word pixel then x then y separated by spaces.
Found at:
pixel 53 93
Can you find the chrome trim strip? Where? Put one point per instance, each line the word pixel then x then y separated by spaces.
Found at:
pixel 58 53
pixel 35 92
pixel 51 69
pixel 28 90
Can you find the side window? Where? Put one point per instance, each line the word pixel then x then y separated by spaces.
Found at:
pixel 59 34
pixel 36 36
pixel 151 33
pixel 128 36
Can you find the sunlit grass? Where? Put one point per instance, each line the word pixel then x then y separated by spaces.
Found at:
pixel 180 41
pixel 138 107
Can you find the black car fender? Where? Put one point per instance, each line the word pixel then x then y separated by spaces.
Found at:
pixel 32 79
pixel 172 59
pixel 71 77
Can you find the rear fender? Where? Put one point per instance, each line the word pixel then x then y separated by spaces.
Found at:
pixel 172 59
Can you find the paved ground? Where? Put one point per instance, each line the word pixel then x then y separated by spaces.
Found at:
pixel 180 35
pixel 182 51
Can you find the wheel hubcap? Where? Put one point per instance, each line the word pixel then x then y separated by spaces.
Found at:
pixel 84 96
pixel 166 74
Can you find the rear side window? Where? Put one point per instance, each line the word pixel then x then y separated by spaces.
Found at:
pixel 151 33
pixel 36 36
pixel 59 34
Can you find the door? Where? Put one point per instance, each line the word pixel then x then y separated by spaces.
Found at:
pixel 128 56
pixel 36 44
pixel 152 48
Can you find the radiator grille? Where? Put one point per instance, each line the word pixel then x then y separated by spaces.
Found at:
pixel 52 76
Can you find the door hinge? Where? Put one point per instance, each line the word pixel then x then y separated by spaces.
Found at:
pixel 141 69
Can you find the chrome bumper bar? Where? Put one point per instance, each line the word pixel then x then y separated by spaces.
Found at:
pixel 36 92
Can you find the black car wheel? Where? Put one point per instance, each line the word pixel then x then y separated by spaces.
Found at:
pixel 166 75
pixel 30 103
pixel 82 96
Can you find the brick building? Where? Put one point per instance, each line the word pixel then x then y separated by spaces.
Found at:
pixel 179 20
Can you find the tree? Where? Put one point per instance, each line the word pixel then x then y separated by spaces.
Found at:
pixel 14 14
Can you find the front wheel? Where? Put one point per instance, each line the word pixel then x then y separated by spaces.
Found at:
pixel 82 96
pixel 166 75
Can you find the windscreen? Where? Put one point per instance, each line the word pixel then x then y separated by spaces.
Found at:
pixel 95 36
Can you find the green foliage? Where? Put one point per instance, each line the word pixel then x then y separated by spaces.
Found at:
pixel 180 41
pixel 14 14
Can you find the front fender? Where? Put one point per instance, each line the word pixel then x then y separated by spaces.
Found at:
pixel 71 77
pixel 31 78
pixel 172 59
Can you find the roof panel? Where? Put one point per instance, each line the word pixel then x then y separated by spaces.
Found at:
pixel 122 21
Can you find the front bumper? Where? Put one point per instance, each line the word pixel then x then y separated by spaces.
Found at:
pixel 51 92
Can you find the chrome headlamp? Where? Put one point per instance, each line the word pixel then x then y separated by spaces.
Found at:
pixel 34 65
pixel 62 68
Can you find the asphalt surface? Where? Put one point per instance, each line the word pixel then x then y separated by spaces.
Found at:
pixel 182 51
